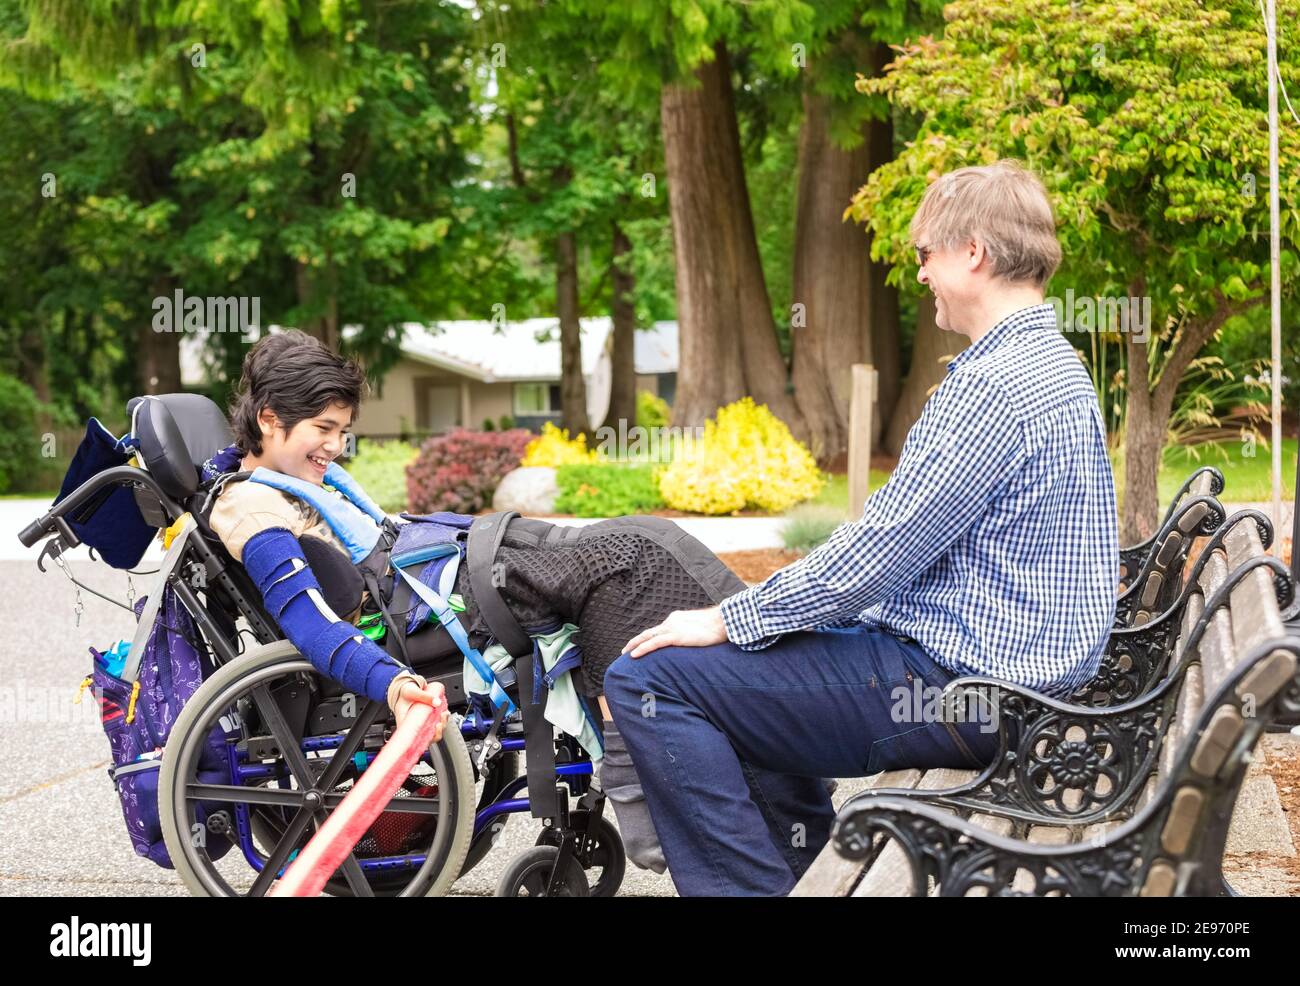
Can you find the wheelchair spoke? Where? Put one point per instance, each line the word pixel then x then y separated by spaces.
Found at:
pixel 414 806
pixel 275 862
pixel 357 881
pixel 240 794
pixel 343 754
pixel 290 747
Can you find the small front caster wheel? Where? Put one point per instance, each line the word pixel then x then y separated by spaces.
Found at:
pixel 530 872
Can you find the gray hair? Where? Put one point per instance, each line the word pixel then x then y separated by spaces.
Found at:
pixel 1002 205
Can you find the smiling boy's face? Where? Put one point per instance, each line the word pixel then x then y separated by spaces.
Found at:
pixel 306 450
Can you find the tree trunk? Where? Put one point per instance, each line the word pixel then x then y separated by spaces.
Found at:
pixel 846 305
pixel 830 328
pixel 1146 420
pixel 324 326
pixel 929 349
pixel 885 328
pixel 160 352
pixel 573 389
pixel 622 395
pixel 1149 403
pixel 31 358
pixel 727 338
pixel 1144 439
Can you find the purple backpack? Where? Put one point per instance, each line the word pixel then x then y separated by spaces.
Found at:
pixel 138 715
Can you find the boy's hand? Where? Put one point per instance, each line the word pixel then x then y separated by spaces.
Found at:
pixel 682 628
pixel 412 690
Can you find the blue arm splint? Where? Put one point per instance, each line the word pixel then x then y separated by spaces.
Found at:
pixel 274 560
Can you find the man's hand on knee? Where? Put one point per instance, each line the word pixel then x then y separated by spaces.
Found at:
pixel 682 628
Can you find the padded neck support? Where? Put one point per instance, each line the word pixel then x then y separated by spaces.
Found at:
pixel 275 562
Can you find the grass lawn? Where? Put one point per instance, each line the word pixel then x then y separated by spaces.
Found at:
pixel 835 494
pixel 1246 478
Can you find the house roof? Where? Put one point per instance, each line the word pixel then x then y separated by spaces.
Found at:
pixel 529 349
pixel 524 350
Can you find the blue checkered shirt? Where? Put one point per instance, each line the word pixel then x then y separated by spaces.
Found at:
pixel 994 544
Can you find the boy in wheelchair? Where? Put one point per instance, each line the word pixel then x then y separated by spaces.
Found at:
pixel 611 579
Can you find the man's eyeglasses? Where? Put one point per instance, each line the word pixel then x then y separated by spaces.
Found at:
pixel 923 254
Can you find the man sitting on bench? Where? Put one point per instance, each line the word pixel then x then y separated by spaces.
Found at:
pixel 992 550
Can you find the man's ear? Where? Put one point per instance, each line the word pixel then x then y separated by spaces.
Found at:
pixel 975 255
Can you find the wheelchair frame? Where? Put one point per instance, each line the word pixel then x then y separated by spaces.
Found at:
pixel 579 828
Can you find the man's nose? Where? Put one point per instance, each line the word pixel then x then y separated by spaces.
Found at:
pixel 922 275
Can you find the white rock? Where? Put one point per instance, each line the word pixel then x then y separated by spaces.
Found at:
pixel 531 490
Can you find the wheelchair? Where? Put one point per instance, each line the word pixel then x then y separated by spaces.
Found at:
pixel 295 741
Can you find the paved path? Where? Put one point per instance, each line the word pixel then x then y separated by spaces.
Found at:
pixel 63 826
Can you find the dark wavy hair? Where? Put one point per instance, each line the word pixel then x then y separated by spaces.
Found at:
pixel 297 377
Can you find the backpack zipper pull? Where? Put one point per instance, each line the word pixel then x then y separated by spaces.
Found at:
pixel 135 693
pixel 85 683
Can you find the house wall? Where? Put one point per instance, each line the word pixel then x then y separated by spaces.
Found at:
pixel 404 405
pixel 382 413
pixel 489 400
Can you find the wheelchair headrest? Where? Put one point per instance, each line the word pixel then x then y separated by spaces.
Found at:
pixel 177 434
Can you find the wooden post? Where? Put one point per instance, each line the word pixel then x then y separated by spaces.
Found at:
pixel 861 401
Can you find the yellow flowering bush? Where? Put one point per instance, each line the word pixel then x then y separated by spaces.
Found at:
pixel 747 458
pixel 553 447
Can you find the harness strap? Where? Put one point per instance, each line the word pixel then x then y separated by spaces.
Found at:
pixel 484 539
pixel 539 737
pixel 449 620
pixel 396 631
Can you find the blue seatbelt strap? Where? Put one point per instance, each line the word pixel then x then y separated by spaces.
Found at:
pixel 571 659
pixel 448 619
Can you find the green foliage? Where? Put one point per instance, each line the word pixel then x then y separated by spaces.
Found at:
pixel 1146 123
pixel 652 411
pixel 19 441
pixel 380 468
pixel 607 489
pixel 808 525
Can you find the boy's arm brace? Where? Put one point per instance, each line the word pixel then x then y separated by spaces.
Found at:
pixel 274 560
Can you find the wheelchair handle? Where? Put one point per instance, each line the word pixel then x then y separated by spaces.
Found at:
pixel 34 531
pixel 116 476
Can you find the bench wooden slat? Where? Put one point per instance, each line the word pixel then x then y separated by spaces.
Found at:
pixel 1217 650
pixel 1190 699
pixel 1255 615
pixel 830 875
pixel 891 874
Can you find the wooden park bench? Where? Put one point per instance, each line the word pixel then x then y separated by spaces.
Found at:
pixel 1205 481
pixel 1131 798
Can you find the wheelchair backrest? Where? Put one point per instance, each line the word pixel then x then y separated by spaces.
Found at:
pixel 177 433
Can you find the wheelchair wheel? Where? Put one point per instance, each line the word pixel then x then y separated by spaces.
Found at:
pixel 604 852
pixel 499 772
pixel 529 872
pixel 293 782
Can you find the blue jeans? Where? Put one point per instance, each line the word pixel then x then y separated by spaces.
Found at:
pixel 731 745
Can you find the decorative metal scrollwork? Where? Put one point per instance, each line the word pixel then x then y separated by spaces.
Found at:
pixel 964 865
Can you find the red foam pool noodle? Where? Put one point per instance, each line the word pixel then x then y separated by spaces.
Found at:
pixel 313 867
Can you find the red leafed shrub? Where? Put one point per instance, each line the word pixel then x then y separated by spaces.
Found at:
pixel 459 471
